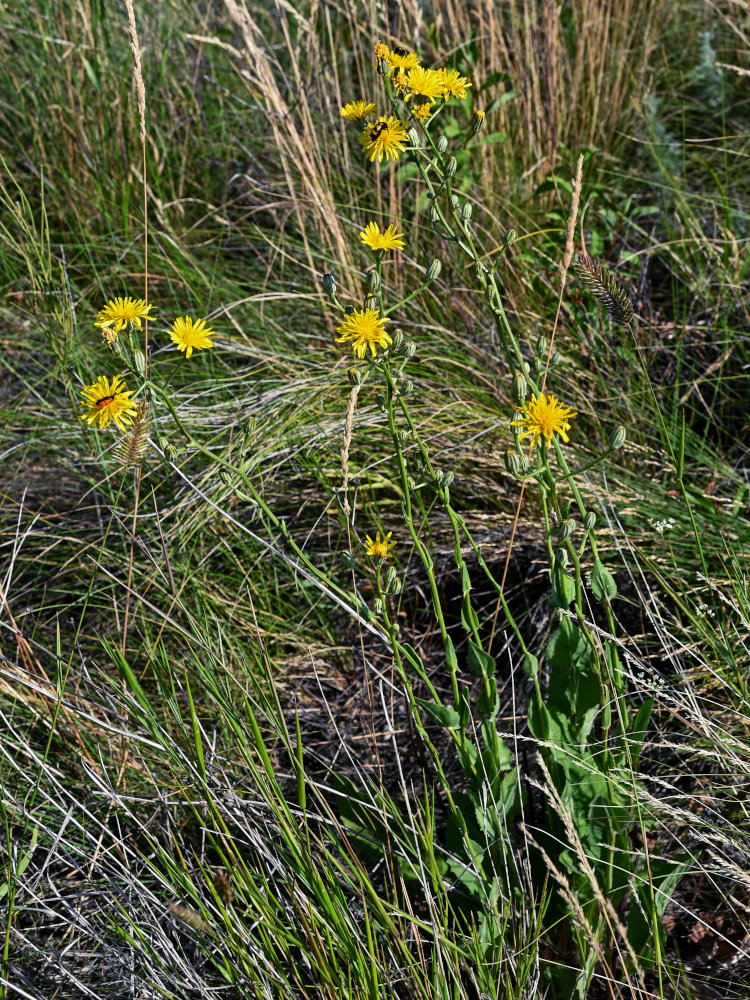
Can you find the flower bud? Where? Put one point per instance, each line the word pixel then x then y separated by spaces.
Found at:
pixel 466 210
pixel 414 138
pixel 477 121
pixel 448 478
pixel 377 606
pixel 542 346
pixel 397 342
pixel 450 167
pixel 561 556
pixel 555 360
pixel 373 282
pixel 520 388
pixel 434 269
pixel 383 67
pixel 442 144
pixel 513 462
pixel 403 438
pixel 434 213
pixel 509 238
pixel 354 377
pixel 371 302
pixel 139 361
pixel 617 437
pixel 396 587
pixel 329 284
pixel 380 401
pixel 454 201
pixel 226 477
pixel 390 576
pixel 348 560
pixel 566 529
pixel 589 520
pixel 407 387
pixel 410 349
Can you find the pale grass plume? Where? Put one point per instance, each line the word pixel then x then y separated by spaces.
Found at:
pixel 352 405
pixel 570 228
pixel 140 87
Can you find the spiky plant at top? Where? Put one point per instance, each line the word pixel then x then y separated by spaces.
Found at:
pixel 612 296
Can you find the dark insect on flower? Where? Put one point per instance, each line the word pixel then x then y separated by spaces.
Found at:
pixel 614 298
pixel 377 130
pixel 400 52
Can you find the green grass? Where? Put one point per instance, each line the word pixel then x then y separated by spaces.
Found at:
pixel 251 726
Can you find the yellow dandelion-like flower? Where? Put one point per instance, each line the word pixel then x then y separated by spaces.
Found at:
pixel 454 85
pixel 423 111
pixel 385 138
pixel 382 51
pixel 190 336
pixel 375 240
pixel 355 111
pixel 381 547
pixel 400 80
pixel 543 416
pixel 108 401
pixel 399 58
pixel 366 329
pixel 425 84
pixel 121 312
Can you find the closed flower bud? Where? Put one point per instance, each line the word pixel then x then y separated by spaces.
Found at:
pixel 380 401
pixel 377 606
pixel 434 213
pixel 448 478
pixel 520 388
pixel 397 342
pixel 509 238
pixel 477 121
pixel 414 138
pixel 396 587
pixel 454 201
pixel 542 346
pixel 566 529
pixel 434 269
pixel 555 360
pixel 354 377
pixel 451 166
pixel 373 282
pixel 348 560
pixel 329 284
pixel 383 67
pixel 466 210
pixel 403 438
pixel 442 144
pixel 407 387
pixel 226 477
pixel 513 462
pixel 410 349
pixel 139 361
pixel 617 437
pixel 390 576
pixel 371 302
pixel 589 520
pixel 561 556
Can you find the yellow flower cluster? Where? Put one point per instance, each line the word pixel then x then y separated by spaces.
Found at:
pixel 108 401
pixel 385 137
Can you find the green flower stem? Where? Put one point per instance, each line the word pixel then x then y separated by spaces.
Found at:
pixel 408 298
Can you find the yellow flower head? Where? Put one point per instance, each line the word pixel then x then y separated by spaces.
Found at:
pixel 355 111
pixel 381 547
pixel 423 111
pixel 108 401
pixel 375 240
pixel 399 58
pixel 400 81
pixel 120 312
pixel 190 336
pixel 366 329
pixel 382 51
pixel 384 138
pixel 454 85
pixel 425 84
pixel 543 416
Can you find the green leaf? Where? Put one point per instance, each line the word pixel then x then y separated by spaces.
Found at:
pixel 637 732
pixel 530 665
pixel 436 712
pixel 488 701
pixel 563 587
pixel 479 661
pixel 602 582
